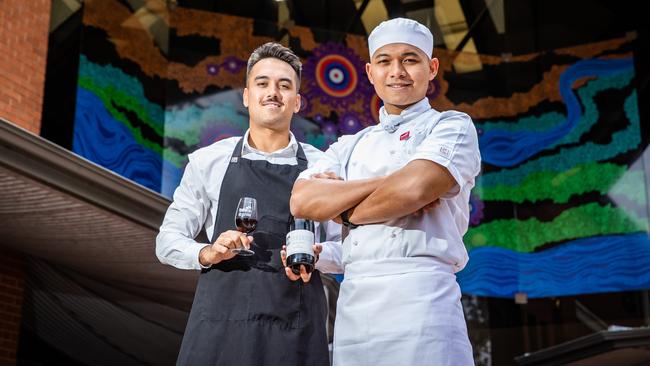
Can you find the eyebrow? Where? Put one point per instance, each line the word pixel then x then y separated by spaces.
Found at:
pixel 405 54
pixel 411 53
pixel 264 77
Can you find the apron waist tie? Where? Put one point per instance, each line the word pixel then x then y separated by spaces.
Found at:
pixel 393 266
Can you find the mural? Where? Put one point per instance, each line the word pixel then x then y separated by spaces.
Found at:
pixel 560 207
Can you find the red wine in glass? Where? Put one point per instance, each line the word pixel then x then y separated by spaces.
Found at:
pixel 245 225
pixel 246 221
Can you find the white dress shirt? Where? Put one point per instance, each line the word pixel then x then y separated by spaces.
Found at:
pixel 446 138
pixel 196 201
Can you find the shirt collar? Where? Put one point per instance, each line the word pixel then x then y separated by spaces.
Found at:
pixel 288 151
pixel 390 122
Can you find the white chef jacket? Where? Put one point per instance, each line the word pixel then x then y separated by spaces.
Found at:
pixel 449 139
pixel 400 303
pixel 196 201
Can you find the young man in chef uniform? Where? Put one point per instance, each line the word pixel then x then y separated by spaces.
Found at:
pixel 402 189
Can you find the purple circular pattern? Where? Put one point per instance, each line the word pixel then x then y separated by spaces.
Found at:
pixel 212 69
pixel 329 131
pixel 313 91
pixel 476 207
pixel 233 64
pixel 329 128
pixel 350 123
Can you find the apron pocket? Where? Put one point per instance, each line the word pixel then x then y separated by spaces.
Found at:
pixel 225 298
pixel 261 296
pixel 277 300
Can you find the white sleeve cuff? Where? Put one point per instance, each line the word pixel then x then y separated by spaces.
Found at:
pixel 329 260
pixel 195 250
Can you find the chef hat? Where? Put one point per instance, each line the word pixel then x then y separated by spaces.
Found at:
pixel 401 30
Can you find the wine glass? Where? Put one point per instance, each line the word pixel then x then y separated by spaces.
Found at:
pixel 246 221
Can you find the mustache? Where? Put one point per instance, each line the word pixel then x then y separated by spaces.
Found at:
pixel 272 100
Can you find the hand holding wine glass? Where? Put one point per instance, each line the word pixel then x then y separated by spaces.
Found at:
pixel 246 221
pixel 221 249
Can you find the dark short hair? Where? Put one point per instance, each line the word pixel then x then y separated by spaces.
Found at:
pixel 274 50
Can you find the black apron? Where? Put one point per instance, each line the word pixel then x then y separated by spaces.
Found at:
pixel 246 311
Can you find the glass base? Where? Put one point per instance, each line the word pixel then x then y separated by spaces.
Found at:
pixel 243 252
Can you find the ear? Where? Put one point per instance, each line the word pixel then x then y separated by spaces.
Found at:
pixel 296 108
pixel 369 73
pixel 245 97
pixel 433 68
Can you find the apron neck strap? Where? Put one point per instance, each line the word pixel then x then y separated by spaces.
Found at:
pixel 300 155
pixel 236 153
pixel 302 159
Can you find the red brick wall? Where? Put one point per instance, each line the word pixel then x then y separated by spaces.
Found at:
pixel 24 30
pixel 12 283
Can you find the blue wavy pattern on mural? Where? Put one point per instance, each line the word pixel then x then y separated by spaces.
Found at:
pixel 507 148
pixel 567 158
pixel 589 265
pixel 100 138
pixel 108 76
pixel 549 120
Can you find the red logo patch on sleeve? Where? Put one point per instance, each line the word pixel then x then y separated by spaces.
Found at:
pixel 405 136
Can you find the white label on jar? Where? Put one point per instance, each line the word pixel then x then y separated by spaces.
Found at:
pixel 300 241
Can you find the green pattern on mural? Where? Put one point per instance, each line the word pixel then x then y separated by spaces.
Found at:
pixel 583 221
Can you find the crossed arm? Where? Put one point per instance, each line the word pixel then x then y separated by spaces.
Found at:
pixel 373 200
pixel 323 199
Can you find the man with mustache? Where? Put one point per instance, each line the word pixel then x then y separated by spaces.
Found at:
pixel 245 311
pixel 403 196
